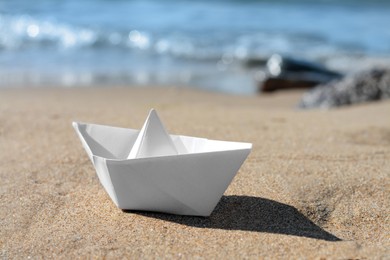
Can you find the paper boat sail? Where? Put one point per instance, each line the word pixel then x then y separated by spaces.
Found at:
pixel 150 170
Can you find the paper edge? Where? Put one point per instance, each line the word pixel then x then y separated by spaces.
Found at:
pixel 90 154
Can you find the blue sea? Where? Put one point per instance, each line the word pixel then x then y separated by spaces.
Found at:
pixel 204 44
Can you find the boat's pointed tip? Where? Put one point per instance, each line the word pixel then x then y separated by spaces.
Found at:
pixel 153 115
pixel 75 124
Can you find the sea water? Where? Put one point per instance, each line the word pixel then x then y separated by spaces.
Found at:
pixel 172 42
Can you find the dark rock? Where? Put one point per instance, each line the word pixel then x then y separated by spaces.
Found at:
pixel 255 62
pixel 288 73
pixel 294 81
pixel 278 65
pixel 363 87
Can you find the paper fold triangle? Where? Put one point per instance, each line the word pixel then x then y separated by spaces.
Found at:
pixel 153 140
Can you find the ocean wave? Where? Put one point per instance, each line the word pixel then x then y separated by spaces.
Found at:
pixel 21 32
pixel 25 31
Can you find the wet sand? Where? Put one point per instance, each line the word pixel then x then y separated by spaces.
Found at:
pixel 316 184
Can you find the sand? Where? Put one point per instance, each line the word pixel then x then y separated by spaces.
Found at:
pixel 316 184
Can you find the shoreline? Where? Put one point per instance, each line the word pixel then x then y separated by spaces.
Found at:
pixel 315 184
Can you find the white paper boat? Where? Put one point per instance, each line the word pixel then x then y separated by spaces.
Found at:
pixel 151 170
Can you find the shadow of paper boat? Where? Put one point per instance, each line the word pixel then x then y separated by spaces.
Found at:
pixel 190 182
pixel 254 214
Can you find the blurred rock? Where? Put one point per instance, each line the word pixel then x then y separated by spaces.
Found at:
pixel 363 87
pixel 288 73
pixel 289 80
pixel 278 65
pixel 255 62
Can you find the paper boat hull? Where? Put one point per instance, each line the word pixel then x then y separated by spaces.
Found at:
pixel 185 184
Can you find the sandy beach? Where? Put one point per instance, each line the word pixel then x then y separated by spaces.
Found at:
pixel 316 184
